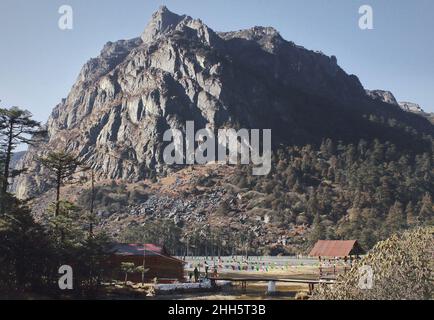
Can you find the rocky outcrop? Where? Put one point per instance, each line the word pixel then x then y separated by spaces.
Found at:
pixel 411 107
pixel 178 70
pixel 384 96
pixel 17 156
pixel 389 98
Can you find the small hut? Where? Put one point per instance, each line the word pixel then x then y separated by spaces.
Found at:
pixel 336 255
pixel 156 260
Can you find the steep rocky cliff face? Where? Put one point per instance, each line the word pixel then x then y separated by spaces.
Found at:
pixel 179 70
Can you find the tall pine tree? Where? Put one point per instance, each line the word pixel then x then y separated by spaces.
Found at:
pixel 16 127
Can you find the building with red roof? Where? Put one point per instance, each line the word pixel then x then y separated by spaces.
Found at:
pixel 336 249
pixel 336 256
pixel 156 260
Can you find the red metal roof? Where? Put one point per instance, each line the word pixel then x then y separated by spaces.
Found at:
pixel 138 249
pixel 148 249
pixel 336 248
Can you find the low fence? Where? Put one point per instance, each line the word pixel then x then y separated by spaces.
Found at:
pixel 252 264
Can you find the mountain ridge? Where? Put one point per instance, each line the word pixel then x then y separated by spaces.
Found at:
pixel 179 69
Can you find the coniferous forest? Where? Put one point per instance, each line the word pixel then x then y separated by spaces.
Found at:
pixel 364 191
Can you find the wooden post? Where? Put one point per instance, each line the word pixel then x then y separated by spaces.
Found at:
pixel 213 283
pixel 320 266
pixel 144 265
pixel 311 288
pixel 244 286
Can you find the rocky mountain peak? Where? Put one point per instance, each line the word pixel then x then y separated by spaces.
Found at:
pixel 162 21
pixel 165 23
pixel 180 70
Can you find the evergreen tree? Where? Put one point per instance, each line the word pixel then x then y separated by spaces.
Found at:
pixel 318 231
pixel 16 127
pixel 62 166
pixel 426 209
pixel 412 218
pixel 26 253
pixel 396 219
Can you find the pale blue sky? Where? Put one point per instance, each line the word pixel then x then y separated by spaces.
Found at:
pixel 39 62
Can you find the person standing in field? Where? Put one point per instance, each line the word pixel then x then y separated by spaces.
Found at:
pixel 206 269
pixel 215 275
pixel 196 275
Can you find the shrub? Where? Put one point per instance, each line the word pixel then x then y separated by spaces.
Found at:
pixel 402 270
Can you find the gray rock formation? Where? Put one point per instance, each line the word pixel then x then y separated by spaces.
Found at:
pixel 384 96
pixel 389 98
pixel 179 70
pixel 411 107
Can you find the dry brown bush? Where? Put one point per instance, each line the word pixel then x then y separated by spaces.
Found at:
pixel 402 270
